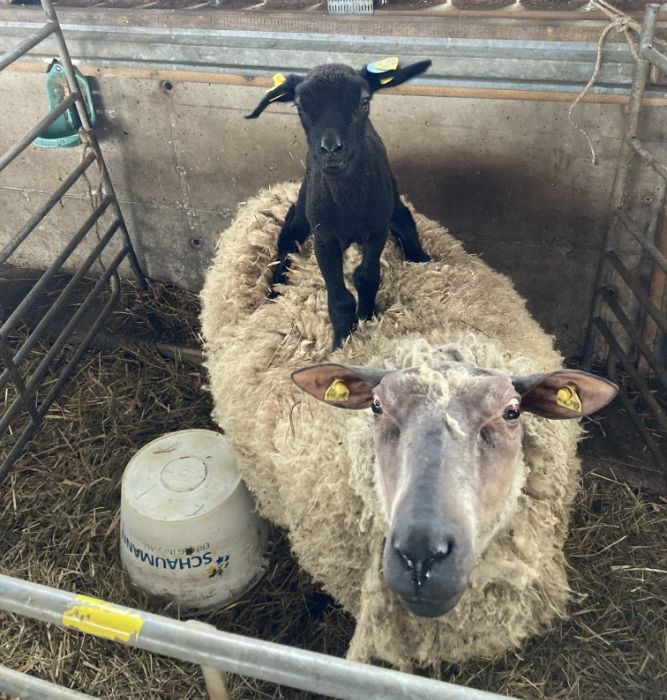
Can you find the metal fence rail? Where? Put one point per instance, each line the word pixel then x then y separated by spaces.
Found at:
pixel 506 59
pixel 28 388
pixel 204 645
pixel 641 364
pixel 28 687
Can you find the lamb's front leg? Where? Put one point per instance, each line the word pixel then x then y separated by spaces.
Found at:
pixel 294 232
pixel 367 275
pixel 341 304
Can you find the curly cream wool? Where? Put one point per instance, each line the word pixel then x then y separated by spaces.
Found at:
pixel 311 467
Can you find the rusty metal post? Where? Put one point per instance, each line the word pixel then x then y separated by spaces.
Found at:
pixel 621 179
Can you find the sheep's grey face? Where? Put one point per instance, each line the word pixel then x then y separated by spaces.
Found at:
pixel 448 459
pixel 333 104
pixel 449 467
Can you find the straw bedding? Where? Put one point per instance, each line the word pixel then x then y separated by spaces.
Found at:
pixel 59 526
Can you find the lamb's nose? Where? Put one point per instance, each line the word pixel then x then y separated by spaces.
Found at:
pixel 331 144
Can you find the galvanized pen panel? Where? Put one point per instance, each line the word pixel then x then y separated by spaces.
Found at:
pixel 622 300
pixel 202 644
pixel 31 390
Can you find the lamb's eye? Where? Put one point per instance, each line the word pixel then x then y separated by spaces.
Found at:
pixel 375 406
pixel 365 104
pixel 512 414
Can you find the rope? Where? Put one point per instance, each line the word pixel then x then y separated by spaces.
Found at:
pixel 612 12
pixel 620 22
pixel 94 194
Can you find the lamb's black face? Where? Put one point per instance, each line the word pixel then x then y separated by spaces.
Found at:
pixel 333 104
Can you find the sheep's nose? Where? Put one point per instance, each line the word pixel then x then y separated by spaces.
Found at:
pixel 421 551
pixel 331 144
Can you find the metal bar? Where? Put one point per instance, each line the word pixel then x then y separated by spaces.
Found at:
pixel 27 44
pixel 626 276
pixel 521 61
pixel 445 86
pixel 36 376
pixel 621 177
pixel 36 131
pixel 639 383
pixel 493 25
pixel 276 663
pixel 27 687
pixel 66 61
pixel 655 57
pixel 648 246
pixel 658 282
pixel 646 351
pixel 35 220
pixel 54 267
pixel 654 162
pixel 62 299
pixel 89 137
pixel 178 50
pixel 655 451
pixel 12 371
pixel 17 448
pixel 83 346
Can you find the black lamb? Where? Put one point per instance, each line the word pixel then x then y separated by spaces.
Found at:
pixel 349 194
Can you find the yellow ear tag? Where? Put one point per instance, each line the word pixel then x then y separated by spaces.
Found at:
pixel 383 66
pixel 337 391
pixel 384 81
pixel 278 80
pixel 567 397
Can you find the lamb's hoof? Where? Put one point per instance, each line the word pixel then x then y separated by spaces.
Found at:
pixel 421 258
pixel 337 342
pixel 340 338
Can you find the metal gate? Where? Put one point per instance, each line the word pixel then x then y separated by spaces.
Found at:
pixel 643 316
pixel 26 391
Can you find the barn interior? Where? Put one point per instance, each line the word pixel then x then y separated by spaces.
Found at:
pixel 516 140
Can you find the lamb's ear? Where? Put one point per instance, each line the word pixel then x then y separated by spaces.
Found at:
pixel 389 73
pixel 282 91
pixel 340 385
pixel 565 393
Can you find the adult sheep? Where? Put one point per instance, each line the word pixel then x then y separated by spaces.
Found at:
pixel 461 505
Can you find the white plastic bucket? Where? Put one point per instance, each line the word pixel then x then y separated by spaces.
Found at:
pixel 188 529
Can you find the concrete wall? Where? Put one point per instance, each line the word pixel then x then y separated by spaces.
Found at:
pixel 512 179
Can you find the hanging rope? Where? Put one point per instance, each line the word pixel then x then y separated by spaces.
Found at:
pixel 94 194
pixel 620 22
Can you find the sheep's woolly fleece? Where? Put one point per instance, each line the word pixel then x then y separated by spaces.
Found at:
pixel 311 466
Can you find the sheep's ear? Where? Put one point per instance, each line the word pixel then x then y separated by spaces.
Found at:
pixel 389 73
pixel 282 91
pixel 565 393
pixel 340 385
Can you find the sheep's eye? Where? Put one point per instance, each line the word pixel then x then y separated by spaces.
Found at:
pixel 376 407
pixel 512 414
pixel 365 104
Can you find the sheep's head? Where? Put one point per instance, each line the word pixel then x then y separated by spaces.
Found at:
pixel 449 464
pixel 333 102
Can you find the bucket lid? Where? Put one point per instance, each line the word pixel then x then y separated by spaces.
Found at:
pixel 181 475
